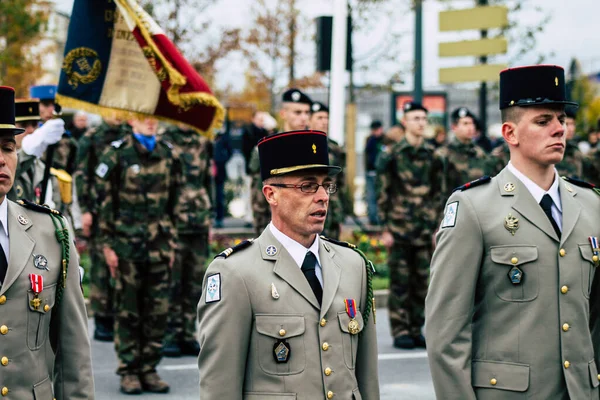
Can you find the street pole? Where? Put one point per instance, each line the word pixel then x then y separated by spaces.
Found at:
pixel 337 96
pixel 418 74
pixel 483 87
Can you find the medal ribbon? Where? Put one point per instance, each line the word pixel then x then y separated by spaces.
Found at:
pixel 594 242
pixel 350 307
pixel 37 283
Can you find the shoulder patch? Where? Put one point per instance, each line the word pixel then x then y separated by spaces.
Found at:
pixel 477 182
pixel 36 207
pixel 449 220
pixel 583 184
pixel 101 170
pixel 117 143
pixel 227 252
pixel 213 288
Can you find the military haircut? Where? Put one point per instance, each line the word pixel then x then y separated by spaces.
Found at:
pixel 512 114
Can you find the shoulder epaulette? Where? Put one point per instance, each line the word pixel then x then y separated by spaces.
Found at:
pixel 117 143
pixel 583 184
pixel 477 182
pixel 36 207
pixel 227 252
pixel 370 301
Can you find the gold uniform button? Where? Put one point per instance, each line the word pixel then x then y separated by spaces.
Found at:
pixel 46 308
pixel 4 329
pixel 282 332
pixel 325 346
pixel 4 391
pixel 514 260
pixel 330 395
pixel 562 252
pixel 327 371
pixel 565 327
pixel 564 289
pixel 4 361
pixel 2 299
pixel 493 381
pixel 567 364
pixel 599 377
pixel 323 322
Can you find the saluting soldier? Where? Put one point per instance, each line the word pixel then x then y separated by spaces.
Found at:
pixel 295 113
pixel 136 181
pixel 290 313
pixel 340 204
pixel 91 146
pixel 510 300
pixel 45 350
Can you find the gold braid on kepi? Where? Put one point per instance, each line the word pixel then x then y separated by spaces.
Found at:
pixel 370 306
pixel 62 236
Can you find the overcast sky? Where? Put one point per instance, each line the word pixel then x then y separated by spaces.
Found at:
pixel 572 32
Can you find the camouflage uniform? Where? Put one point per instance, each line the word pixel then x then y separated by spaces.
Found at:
pixel 261 212
pixel 406 193
pixel 500 158
pixel 91 146
pixel 65 154
pixel 137 193
pixel 28 182
pixel 592 166
pixel 193 222
pixel 573 162
pixel 339 203
pixel 456 164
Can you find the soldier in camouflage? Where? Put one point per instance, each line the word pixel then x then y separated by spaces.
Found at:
pixel 574 163
pixel 406 193
pixel 295 113
pixel 193 224
pixel 137 182
pixel 339 202
pixel 461 160
pixel 91 146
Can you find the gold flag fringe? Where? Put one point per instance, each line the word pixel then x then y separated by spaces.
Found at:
pixel 70 102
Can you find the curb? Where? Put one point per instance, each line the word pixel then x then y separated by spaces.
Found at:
pixel 381 298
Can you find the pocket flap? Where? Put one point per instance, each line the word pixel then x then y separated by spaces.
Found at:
pixel 513 255
pixel 280 326
pixel 43 390
pixel 269 396
pixel 345 321
pixel 500 375
pixel 594 377
pixel 586 252
pixel 45 300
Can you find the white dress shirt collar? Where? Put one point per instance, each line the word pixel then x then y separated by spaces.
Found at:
pixel 4 215
pixel 296 250
pixel 536 191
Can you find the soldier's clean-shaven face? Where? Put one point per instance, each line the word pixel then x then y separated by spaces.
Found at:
pixel 570 123
pixel 319 121
pixel 46 110
pixel 464 129
pixel 146 126
pixel 301 214
pixel 415 122
pixel 295 115
pixel 540 135
pixel 8 163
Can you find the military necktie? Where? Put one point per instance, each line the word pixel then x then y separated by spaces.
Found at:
pixel 546 205
pixel 308 269
pixel 3 264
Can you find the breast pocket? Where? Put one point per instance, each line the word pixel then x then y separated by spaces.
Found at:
pixel 38 316
pixel 350 337
pixel 518 262
pixel 588 268
pixel 285 329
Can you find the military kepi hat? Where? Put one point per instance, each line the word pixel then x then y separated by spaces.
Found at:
pixel 43 92
pixel 287 152
pixel 296 96
pixel 533 85
pixel 27 110
pixel 7 111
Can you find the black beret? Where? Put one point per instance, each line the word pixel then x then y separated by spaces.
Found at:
pixel 571 112
pixel 318 107
pixel 461 112
pixel 27 110
pixel 376 124
pixel 287 152
pixel 296 96
pixel 7 111
pixel 533 85
pixel 413 106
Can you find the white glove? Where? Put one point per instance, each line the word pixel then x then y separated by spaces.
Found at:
pixel 49 133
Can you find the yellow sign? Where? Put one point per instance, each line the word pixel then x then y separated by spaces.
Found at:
pixel 477 73
pixel 476 48
pixel 474 18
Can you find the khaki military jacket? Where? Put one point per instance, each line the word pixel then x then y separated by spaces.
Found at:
pixel 45 352
pixel 489 338
pixel 238 333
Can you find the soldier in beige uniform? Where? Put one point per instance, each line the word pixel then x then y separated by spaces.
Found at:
pixel 510 300
pixel 44 346
pixel 289 315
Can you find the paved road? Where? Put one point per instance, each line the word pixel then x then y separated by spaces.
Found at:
pixel 402 374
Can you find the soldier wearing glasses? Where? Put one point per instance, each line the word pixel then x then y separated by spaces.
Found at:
pixel 289 314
